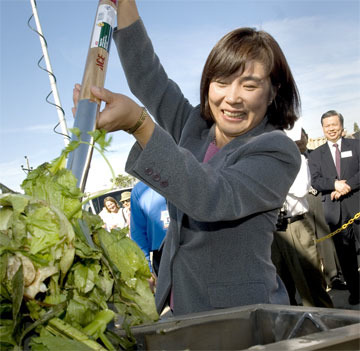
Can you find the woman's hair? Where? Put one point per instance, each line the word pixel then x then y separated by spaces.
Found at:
pixel 109 198
pixel 231 54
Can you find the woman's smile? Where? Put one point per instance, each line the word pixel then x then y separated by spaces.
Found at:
pixel 234 114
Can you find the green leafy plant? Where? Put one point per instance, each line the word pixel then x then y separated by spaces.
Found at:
pixel 123 181
pixel 63 277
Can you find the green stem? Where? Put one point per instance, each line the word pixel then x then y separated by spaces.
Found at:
pixel 78 208
pixel 106 342
pixel 73 333
pixel 53 331
pixel 102 318
pixel 53 312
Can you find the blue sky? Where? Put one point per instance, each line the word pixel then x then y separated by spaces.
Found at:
pixel 321 40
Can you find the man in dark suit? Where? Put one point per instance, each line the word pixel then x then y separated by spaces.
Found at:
pixel 334 169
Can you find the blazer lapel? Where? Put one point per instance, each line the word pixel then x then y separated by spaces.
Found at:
pixel 328 162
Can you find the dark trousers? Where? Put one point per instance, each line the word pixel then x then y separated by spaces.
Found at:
pixel 326 248
pixel 346 248
pixel 156 257
pixel 296 259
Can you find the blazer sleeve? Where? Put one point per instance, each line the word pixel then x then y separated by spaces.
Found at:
pixel 148 80
pixel 354 182
pixel 354 164
pixel 228 187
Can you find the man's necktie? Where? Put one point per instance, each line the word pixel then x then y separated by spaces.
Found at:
pixel 337 159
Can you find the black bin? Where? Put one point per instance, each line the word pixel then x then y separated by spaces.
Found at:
pixel 254 327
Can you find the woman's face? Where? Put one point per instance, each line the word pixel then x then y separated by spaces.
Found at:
pixel 239 102
pixel 111 207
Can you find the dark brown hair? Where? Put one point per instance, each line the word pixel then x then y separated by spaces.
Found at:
pixel 231 54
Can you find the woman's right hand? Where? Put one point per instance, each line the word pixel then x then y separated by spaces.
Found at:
pixel 120 113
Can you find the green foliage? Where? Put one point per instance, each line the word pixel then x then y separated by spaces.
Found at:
pixel 60 269
pixel 124 181
pixel 128 259
pixel 356 127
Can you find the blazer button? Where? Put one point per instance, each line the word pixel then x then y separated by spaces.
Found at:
pixel 164 183
pixel 156 177
pixel 149 171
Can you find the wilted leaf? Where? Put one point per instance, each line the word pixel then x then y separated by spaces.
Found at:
pixel 17 291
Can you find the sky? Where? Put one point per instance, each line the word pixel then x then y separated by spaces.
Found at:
pixel 320 39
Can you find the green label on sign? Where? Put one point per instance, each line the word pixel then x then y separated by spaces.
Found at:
pixel 103 28
pixel 105 37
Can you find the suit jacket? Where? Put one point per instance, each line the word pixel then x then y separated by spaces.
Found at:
pixel 323 176
pixel 217 251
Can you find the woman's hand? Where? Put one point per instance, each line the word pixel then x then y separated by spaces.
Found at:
pixel 120 113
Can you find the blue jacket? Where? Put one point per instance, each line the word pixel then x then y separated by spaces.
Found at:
pixel 149 218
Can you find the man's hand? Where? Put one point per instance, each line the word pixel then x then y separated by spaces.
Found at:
pixel 335 195
pixel 341 187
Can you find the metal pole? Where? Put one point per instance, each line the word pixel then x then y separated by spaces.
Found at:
pixel 51 76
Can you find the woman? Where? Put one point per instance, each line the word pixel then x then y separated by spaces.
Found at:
pixel 112 215
pixel 224 166
pixel 126 210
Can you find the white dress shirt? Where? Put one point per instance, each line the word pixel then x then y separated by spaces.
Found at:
pixel 296 203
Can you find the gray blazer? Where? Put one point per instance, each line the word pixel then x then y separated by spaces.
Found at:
pixel 217 251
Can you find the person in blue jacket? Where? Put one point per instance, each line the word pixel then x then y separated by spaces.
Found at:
pixel 149 222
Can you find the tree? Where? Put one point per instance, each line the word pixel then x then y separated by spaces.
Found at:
pixel 356 127
pixel 124 181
